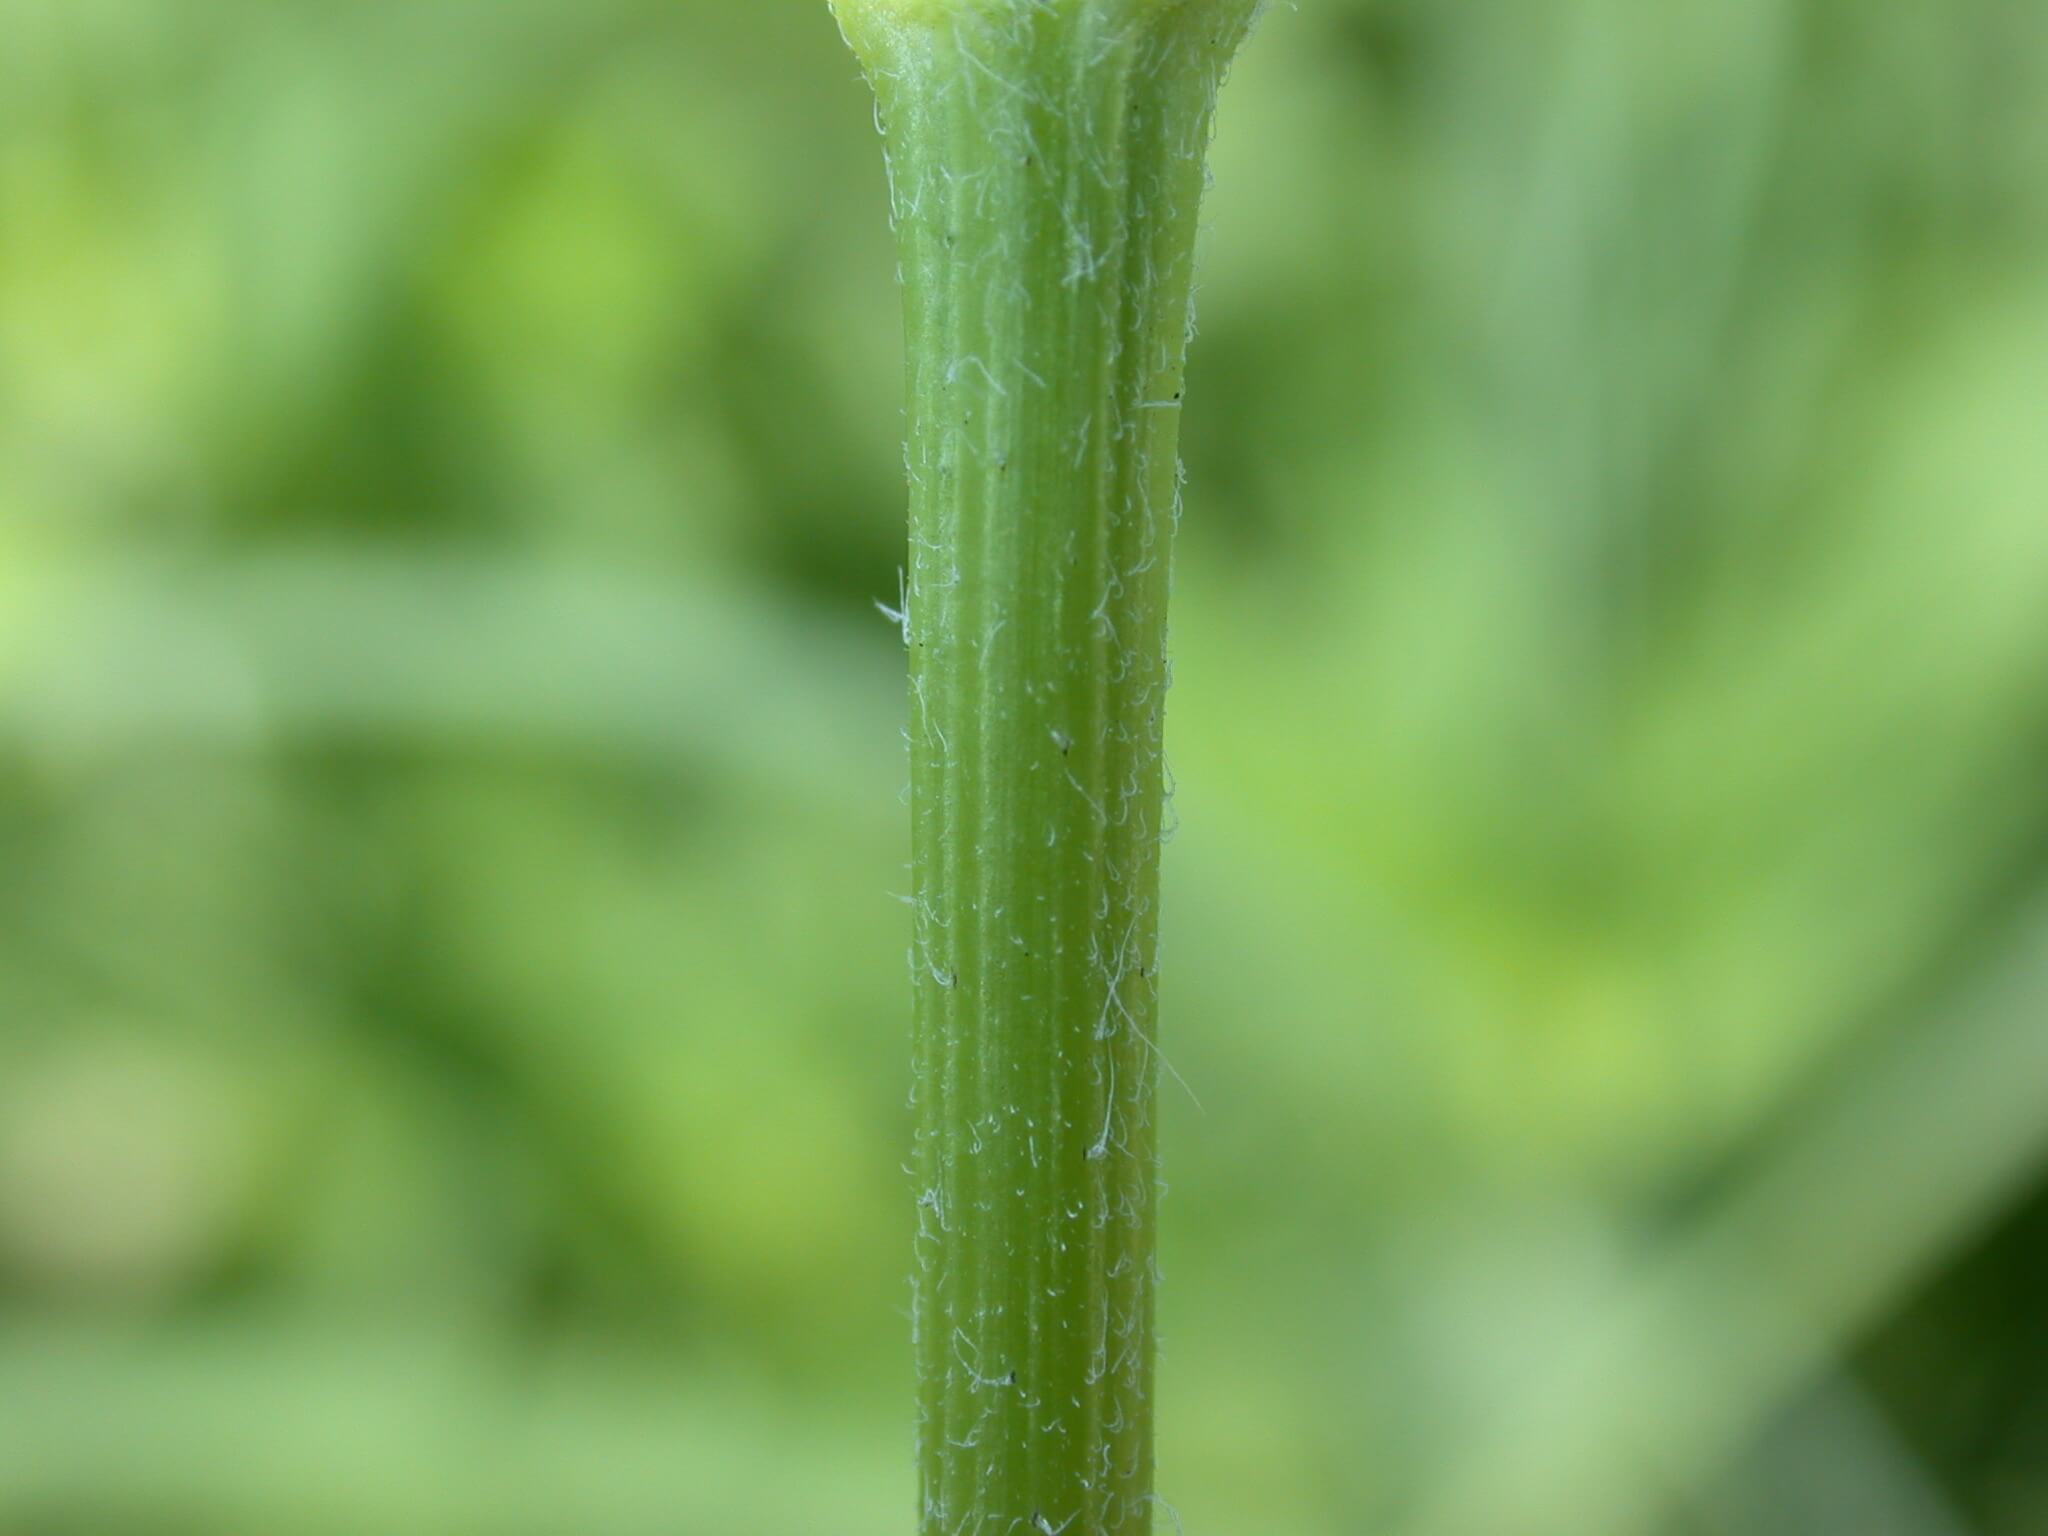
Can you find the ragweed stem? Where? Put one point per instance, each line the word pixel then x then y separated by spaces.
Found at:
pixel 1046 166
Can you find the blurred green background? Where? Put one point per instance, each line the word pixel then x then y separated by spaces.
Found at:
pixel 452 1012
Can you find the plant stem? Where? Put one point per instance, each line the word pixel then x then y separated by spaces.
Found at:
pixel 1046 166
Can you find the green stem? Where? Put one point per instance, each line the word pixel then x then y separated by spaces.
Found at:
pixel 1046 165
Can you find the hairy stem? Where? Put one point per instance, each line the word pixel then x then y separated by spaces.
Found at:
pixel 1046 166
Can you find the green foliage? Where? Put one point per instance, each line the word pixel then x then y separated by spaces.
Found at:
pixel 451 1040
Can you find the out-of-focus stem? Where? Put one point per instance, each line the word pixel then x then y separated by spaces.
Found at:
pixel 1046 166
